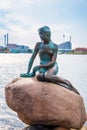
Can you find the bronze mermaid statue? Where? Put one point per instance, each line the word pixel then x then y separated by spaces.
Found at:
pixel 48 67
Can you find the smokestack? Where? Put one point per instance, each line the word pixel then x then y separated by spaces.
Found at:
pixel 5 41
pixel 70 38
pixel 63 37
pixel 70 42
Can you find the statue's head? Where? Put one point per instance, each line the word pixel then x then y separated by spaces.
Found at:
pixel 45 33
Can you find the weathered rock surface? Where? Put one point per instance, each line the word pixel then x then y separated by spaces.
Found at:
pixel 50 128
pixel 45 103
pixel 39 127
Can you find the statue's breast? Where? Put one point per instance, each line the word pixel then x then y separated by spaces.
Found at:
pixel 46 49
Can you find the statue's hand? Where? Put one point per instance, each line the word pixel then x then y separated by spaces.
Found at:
pixel 32 74
pixel 27 75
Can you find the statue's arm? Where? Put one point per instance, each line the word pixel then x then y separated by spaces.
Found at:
pixel 36 49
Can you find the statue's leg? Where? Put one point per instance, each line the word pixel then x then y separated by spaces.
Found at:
pixel 51 77
pixel 68 84
pixel 72 87
pixel 60 81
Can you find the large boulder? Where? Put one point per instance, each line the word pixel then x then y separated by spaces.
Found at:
pixel 45 103
pixel 40 127
pixel 50 128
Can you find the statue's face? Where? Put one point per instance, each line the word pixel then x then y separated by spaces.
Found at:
pixel 43 36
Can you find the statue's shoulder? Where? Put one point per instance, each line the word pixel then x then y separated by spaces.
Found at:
pixel 38 45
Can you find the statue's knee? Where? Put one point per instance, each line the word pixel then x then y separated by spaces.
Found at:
pixel 47 77
pixel 41 77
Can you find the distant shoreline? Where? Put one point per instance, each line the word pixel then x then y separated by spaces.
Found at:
pixel 68 53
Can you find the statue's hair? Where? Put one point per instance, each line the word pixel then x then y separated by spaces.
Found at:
pixel 46 30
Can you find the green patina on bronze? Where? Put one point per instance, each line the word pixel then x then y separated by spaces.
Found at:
pixel 48 67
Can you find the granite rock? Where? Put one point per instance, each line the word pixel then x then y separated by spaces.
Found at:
pixel 45 103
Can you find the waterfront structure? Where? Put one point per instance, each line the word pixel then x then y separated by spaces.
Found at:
pixel 80 50
pixel 65 46
pixel 6 40
pixel 11 46
pixel 15 48
pixel 1 49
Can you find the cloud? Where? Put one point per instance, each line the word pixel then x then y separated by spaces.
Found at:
pixel 22 18
pixel 5 4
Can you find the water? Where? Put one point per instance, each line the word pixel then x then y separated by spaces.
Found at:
pixel 71 67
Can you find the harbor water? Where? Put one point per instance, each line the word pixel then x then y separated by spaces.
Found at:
pixel 71 67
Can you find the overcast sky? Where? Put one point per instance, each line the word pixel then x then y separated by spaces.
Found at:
pixel 22 18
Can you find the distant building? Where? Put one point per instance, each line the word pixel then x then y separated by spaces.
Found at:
pixel 65 46
pixel 11 46
pixel 1 49
pixel 80 50
pixel 14 48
